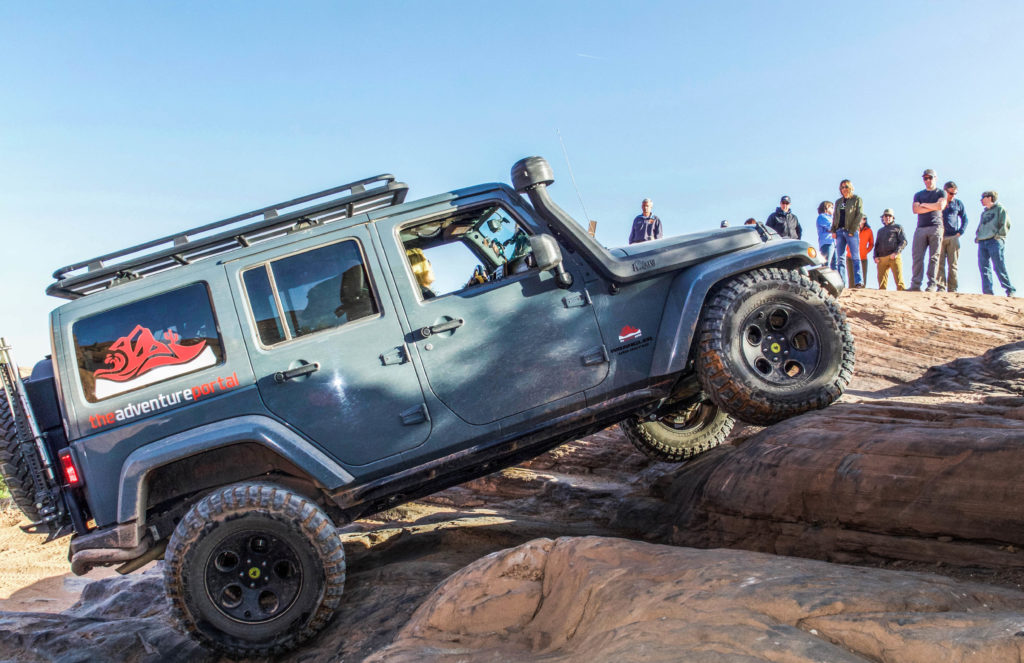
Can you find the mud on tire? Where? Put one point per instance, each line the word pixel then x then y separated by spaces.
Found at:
pixel 12 466
pixel 689 430
pixel 254 570
pixel 773 344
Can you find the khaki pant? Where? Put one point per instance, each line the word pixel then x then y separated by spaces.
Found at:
pixel 894 263
pixel 948 255
pixel 863 270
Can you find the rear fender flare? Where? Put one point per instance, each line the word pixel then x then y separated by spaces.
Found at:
pixel 262 430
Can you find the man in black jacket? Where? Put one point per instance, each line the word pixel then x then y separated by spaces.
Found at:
pixel 889 243
pixel 783 221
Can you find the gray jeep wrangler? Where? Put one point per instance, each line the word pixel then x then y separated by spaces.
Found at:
pixel 225 397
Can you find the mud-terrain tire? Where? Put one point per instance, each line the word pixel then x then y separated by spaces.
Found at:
pixel 254 570
pixel 773 344
pixel 13 466
pixel 691 429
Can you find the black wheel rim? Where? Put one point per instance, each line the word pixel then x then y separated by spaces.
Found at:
pixel 780 343
pixel 253 577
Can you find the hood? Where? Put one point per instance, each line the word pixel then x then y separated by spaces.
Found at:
pixel 699 245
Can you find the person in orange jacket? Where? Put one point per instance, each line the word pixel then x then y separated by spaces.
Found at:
pixel 867 242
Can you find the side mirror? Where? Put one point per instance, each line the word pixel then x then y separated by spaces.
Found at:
pixel 548 256
pixel 546 252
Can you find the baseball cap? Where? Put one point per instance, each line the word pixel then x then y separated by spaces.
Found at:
pixel 888 212
pixel 784 199
pixel 950 185
pixel 928 172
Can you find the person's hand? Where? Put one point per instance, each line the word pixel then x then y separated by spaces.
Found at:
pixel 876 261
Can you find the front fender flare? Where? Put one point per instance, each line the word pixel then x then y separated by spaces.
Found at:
pixel 689 290
pixel 257 429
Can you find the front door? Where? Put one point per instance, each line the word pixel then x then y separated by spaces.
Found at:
pixel 328 349
pixel 496 336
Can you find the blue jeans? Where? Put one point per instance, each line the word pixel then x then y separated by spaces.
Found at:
pixel 826 250
pixel 844 239
pixel 992 250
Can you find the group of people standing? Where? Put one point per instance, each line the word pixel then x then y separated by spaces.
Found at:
pixel 941 222
pixel 844 234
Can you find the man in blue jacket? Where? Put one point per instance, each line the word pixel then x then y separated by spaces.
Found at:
pixel 646 226
pixel 954 222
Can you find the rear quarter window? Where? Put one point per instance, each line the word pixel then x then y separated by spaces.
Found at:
pixel 146 342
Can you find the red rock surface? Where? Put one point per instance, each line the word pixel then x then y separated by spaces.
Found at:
pixel 900 335
pixel 596 599
pixel 926 470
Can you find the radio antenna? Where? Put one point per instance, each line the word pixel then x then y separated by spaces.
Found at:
pixel 571 176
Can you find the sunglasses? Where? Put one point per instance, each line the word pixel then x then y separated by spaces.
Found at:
pixel 928 177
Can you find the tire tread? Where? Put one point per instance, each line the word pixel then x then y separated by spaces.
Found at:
pixel 732 394
pixel 271 501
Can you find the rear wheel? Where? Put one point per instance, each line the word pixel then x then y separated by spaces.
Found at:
pixel 254 570
pixel 13 467
pixel 773 344
pixel 686 431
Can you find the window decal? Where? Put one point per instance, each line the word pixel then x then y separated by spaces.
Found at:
pixel 139 359
pixel 147 341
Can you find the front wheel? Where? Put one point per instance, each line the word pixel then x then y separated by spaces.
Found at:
pixel 772 344
pixel 254 570
pixel 683 433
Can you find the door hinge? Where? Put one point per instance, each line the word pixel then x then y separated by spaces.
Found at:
pixel 595 356
pixel 576 299
pixel 393 356
pixel 414 415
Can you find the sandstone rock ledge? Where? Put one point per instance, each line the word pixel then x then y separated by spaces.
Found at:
pixel 929 471
pixel 599 599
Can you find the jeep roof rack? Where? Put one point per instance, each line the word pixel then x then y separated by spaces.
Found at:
pixel 183 248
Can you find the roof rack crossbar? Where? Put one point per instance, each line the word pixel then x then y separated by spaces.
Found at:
pixel 183 248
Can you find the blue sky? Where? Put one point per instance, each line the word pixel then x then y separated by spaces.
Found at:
pixel 121 122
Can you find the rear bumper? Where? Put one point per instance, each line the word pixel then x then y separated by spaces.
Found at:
pixel 111 545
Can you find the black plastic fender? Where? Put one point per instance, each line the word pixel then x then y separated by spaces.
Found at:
pixel 251 428
pixel 689 291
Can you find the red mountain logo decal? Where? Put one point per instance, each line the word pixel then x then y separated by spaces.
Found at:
pixel 628 333
pixel 139 352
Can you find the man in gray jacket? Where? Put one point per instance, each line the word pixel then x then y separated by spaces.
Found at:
pixel 991 236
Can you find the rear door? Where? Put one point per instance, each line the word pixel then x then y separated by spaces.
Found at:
pixel 327 347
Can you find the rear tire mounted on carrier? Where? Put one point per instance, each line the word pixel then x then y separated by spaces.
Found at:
pixel 689 429
pixel 254 570
pixel 13 466
pixel 773 344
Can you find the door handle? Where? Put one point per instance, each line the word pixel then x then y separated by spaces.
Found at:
pixel 283 376
pixel 426 332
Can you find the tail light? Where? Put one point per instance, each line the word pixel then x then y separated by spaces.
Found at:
pixel 71 474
